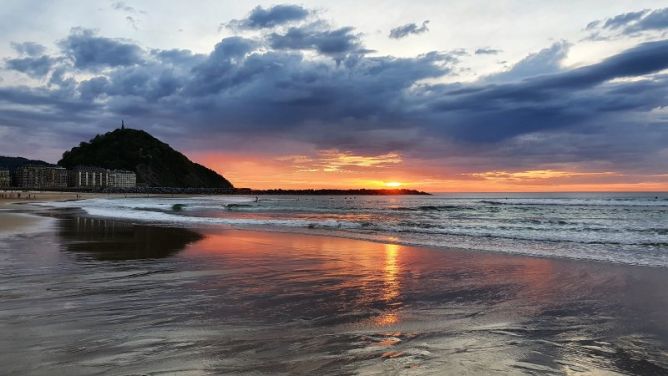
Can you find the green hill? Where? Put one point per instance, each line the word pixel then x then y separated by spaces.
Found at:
pixel 156 163
pixel 12 163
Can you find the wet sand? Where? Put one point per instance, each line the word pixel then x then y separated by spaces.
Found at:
pixel 8 197
pixel 11 223
pixel 17 209
pixel 16 220
pixel 95 296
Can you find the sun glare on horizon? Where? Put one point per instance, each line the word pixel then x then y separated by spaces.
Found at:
pixel 393 184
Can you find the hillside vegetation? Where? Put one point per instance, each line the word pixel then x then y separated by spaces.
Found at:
pixel 155 162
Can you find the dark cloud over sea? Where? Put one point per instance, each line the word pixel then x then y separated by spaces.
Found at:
pixel 630 24
pixel 261 18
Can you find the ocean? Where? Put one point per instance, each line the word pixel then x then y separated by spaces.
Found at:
pixel 288 285
pixel 625 228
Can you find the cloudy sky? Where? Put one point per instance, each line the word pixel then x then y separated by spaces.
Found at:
pixel 441 96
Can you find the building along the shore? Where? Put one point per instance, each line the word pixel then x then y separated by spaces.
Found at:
pixel 122 179
pixel 41 177
pixel 88 177
pixel 5 179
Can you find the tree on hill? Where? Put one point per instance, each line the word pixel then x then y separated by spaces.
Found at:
pixel 13 163
pixel 155 162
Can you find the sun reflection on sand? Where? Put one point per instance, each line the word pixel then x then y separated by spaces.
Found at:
pixel 392 285
pixel 392 269
pixel 387 318
pixel 371 272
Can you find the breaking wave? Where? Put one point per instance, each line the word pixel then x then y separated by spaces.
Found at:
pixel 632 230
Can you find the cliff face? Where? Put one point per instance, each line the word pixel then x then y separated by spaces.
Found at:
pixel 156 163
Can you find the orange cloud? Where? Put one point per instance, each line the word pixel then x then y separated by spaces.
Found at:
pixel 337 169
pixel 535 174
pixel 334 160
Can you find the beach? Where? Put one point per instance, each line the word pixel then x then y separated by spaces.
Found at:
pixel 27 196
pixel 15 219
pixel 298 188
pixel 12 223
pixel 101 296
pixel 17 207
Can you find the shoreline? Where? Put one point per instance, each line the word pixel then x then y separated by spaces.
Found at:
pixel 21 197
pixel 18 217
pixel 20 223
pixel 225 300
pixel 138 298
pixel 31 217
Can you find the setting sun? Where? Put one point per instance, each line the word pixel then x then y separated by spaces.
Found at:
pixel 392 184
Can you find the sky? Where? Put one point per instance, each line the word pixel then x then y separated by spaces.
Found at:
pixel 432 95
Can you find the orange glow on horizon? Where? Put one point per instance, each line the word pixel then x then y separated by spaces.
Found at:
pixel 341 170
pixel 535 174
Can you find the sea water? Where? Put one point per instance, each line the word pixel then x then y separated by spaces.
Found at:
pixel 170 289
pixel 628 228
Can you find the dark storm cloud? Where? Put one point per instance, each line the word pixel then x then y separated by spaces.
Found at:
pixel 89 51
pixel 142 83
pixel 247 88
pixel 55 104
pixel 544 61
pixel 261 18
pixel 622 20
pixel 655 20
pixel 32 66
pixel 29 48
pixel 560 100
pixel 178 58
pixel 317 85
pixel 408 29
pixel 281 90
pixel 332 42
pixel 632 22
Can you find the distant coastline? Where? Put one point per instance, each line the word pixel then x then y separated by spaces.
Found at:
pixel 231 191
pixel 337 192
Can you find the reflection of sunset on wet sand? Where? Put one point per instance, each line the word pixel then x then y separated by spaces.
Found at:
pixel 392 285
pixel 365 188
pixel 332 264
pixel 246 302
pixel 392 272
pixel 347 286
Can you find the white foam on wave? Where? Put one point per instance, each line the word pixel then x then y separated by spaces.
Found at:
pixel 628 240
pixel 159 217
pixel 653 202
pixel 157 212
